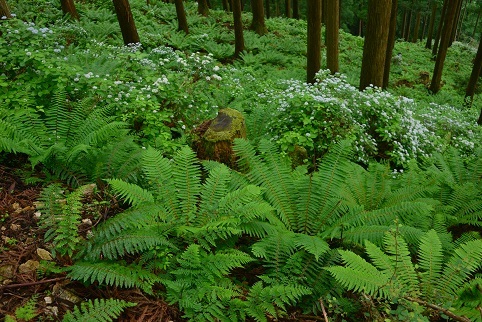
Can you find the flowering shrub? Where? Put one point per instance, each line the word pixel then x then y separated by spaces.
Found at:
pixel 380 124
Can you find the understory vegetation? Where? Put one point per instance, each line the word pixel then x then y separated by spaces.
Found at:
pixel 377 219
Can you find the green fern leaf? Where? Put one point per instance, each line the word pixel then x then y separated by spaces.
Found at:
pixel 131 193
pixel 97 310
pixel 430 262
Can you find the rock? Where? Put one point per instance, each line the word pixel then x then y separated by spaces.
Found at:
pixel 28 267
pixel 15 227
pixel 214 138
pixel 44 254
pixel 6 273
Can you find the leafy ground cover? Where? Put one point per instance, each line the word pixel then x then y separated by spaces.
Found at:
pixel 264 242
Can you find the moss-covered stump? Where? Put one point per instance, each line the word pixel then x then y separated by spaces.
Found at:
pixel 214 138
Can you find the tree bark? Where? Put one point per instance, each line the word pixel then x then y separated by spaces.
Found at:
pixel 288 8
pixel 203 8
pixel 313 48
pixel 440 27
pixel 68 8
pixel 431 25
pixel 444 44
pixel 225 4
pixel 126 22
pixel 296 9
pixel 456 22
pixel 474 77
pixel 416 28
pixel 476 23
pixel 258 24
pixel 4 9
pixel 376 40
pixel 390 43
pixel 268 9
pixel 181 16
pixel 331 34
pixel 238 28
pixel 409 24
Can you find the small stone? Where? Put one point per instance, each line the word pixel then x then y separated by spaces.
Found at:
pixel 87 221
pixel 37 214
pixel 6 272
pixel 44 254
pixel 29 266
pixel 48 300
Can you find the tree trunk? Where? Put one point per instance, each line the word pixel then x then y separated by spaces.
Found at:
pixel 238 28
pixel 409 25
pixel 390 43
pixel 416 28
pixel 225 4
pixel 68 8
pixel 440 27
pixel 258 24
pixel 313 48
pixel 456 22
pixel 181 16
pixel 288 8
pixel 296 9
pixel 444 44
pixel 474 77
pixel 376 40
pixel 268 9
pixel 424 28
pixel 203 8
pixel 431 25
pixel 331 34
pixel 476 23
pixel 404 24
pixel 4 9
pixel 126 21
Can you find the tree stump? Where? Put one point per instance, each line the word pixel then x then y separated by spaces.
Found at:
pixel 214 138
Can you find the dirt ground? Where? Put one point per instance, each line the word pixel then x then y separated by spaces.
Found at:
pixel 23 257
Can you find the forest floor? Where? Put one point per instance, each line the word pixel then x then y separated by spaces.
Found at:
pixel 23 254
pixel 24 262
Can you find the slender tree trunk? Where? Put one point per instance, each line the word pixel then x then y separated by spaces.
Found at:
pixel 68 8
pixel 456 22
pixel 238 28
pixel 444 44
pixel 203 8
pixel 360 28
pixel 390 43
pixel 440 27
pixel 416 28
pixel 404 25
pixel 331 34
pixel 376 40
pixel 476 23
pixel 225 4
pixel 296 9
pixel 462 19
pixel 288 8
pixel 268 9
pixel 474 77
pixel 258 24
pixel 424 28
pixel 313 50
pixel 431 25
pixel 181 16
pixel 5 9
pixel 126 22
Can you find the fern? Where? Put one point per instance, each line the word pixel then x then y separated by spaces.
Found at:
pixel 97 310
pixel 61 217
pixel 114 274
pixel 76 142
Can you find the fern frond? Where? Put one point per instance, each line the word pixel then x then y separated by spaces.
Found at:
pixel 97 310
pixel 465 260
pixel 359 275
pixel 186 174
pixel 131 193
pixel 130 241
pixel 113 274
pixel 430 261
pixel 312 244
pixel 213 190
